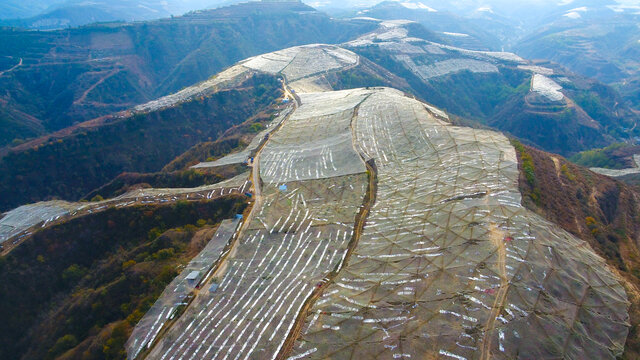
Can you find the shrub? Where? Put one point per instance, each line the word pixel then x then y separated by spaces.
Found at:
pixel 63 344
pixel 154 233
pixel 128 264
pixel 114 347
pixel 164 254
pixel 567 173
pixel 529 170
pixel 256 127
pixel 73 273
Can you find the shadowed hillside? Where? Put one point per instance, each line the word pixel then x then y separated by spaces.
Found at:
pixel 71 165
pixel 77 289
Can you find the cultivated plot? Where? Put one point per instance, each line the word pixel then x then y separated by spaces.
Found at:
pixel 21 219
pixel 620 172
pixel 303 61
pixel 316 142
pixel 546 87
pixel 20 223
pixel 451 265
pixel 295 239
pixel 298 235
pixel 428 59
pixel 224 79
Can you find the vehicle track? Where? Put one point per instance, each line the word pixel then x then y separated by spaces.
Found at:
pixel 497 237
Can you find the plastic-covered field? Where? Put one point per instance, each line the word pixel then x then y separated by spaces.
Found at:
pixel 19 223
pixel 295 239
pixel 237 184
pixel 311 84
pixel 620 172
pixel 21 219
pixel 300 232
pixel 296 63
pixel 445 67
pixel 537 69
pixel 546 87
pixel 175 294
pixel 427 59
pixel 224 79
pixel 450 265
pixel 303 61
pixel 316 142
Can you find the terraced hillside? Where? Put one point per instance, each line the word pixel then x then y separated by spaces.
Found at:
pixel 501 89
pixel 495 88
pixel 380 230
pixel 450 263
pixel 19 223
pixel 455 29
pixel 166 127
pixel 375 229
pixel 596 41
pixel 77 287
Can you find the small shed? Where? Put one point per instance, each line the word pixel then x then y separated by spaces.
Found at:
pixel 192 277
pixel 213 287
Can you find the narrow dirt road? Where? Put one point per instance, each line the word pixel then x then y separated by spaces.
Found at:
pixel 498 239
pixel 13 68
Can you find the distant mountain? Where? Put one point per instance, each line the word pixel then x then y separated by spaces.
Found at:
pixel 13 9
pixel 66 17
pixel 31 11
pixel 73 13
pixel 603 43
pixel 457 30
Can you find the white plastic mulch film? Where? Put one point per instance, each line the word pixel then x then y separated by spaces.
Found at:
pixel 450 264
pixel 302 61
pixel 298 235
pixel 21 219
pixel 316 141
pixel 429 60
